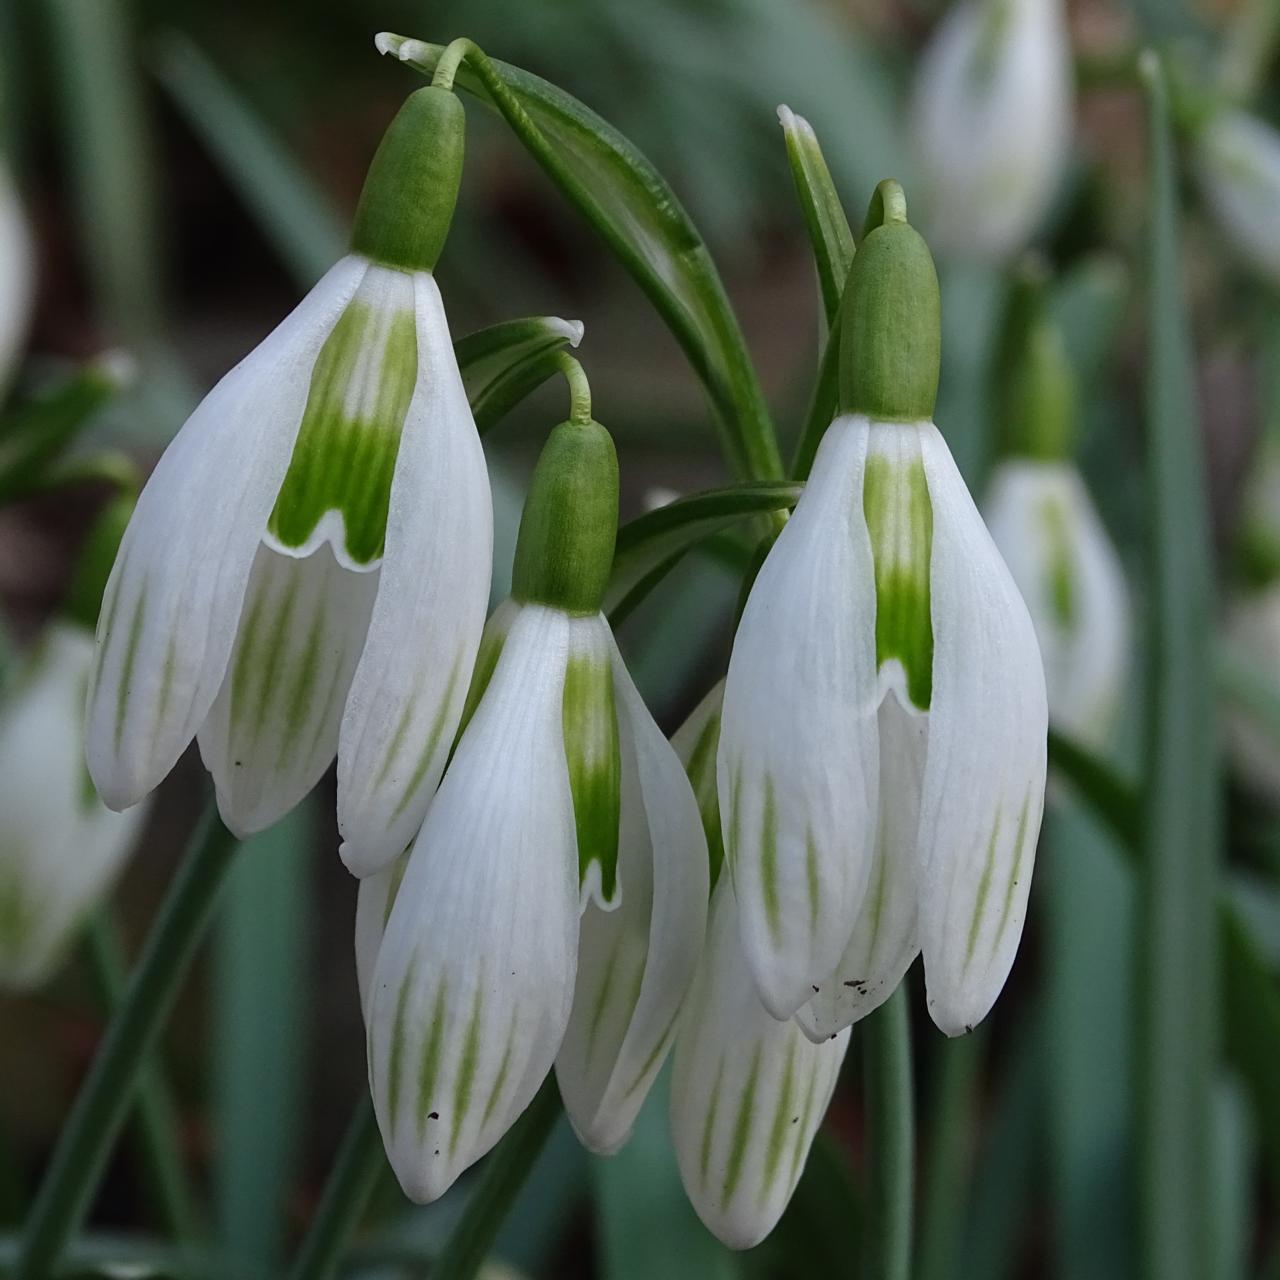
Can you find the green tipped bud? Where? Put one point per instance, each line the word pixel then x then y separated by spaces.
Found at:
pixel 564 553
pixel 1035 384
pixel 407 203
pixel 89 581
pixel 891 321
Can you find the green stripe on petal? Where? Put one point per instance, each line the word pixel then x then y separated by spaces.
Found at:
pixel 432 1052
pixel 345 454
pixel 595 767
pixel 742 1126
pixel 781 1122
pixel 984 888
pixel 466 1072
pixel 1054 518
pixel 899 516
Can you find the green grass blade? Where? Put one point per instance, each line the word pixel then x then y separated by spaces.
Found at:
pixel 297 217
pixel 1177 1044
pixel 260 988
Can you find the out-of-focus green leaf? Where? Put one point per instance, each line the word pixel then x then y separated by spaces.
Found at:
pixel 259 1016
pixel 1230 1212
pixel 629 203
pixel 1180 828
pixel 645 1225
pixel 296 216
pixel 656 541
pixel 829 232
pixel 1109 794
pixel 33 435
pixel 504 363
pixel 1088 303
pixel 1249 689
pixel 1086 898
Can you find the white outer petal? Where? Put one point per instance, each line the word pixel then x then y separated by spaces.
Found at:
pixel 172 604
pixel 1238 163
pixel 991 150
pixel 484 929
pixel 885 938
pixel 1086 660
pixel 635 963
pixel 800 708
pixel 737 1068
pixel 407 695
pixel 267 742
pixel 60 847
pixel 985 767
pixel 17 278
pixel 1253 630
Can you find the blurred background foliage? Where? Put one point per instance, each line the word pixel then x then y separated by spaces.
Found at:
pixel 190 168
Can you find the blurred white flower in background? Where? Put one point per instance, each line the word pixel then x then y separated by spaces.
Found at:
pixel 1253 632
pixel 991 124
pixel 1238 164
pixel 60 846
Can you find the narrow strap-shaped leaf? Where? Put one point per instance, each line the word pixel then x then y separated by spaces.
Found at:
pixel 295 215
pixel 1181 837
pixel 633 208
pixel 652 544
pixel 502 364
pixel 822 405
pixel 829 232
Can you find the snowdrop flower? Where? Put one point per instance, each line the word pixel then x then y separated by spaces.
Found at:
pixel 882 751
pixel 991 123
pixel 1238 164
pixel 1046 527
pixel 17 277
pixel 321 522
pixel 748 1092
pixel 60 847
pixel 553 907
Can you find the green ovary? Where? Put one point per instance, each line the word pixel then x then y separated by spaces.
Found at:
pixel 899 516
pixel 345 454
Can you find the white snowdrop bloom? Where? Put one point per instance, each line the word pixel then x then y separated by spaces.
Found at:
pixel 882 749
pixel 60 846
pixel 552 909
pixel 320 523
pixel 748 1092
pixel 1253 632
pixel 991 123
pixel 1238 165
pixel 1045 525
pixel 17 278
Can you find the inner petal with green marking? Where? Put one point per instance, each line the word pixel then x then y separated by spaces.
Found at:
pixel 1055 522
pixel 593 758
pixel 338 486
pixel 899 516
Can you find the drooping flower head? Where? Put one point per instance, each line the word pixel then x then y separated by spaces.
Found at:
pixel 882 751
pixel 748 1091
pixel 1238 164
pixel 60 846
pixel 1047 529
pixel 320 523
pixel 991 123
pixel 552 908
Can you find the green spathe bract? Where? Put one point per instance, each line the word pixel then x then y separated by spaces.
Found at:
pixel 407 203
pixel 565 549
pixel 890 324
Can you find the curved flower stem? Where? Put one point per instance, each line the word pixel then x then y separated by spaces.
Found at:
pixel 346 1195
pixel 504 1174
pixel 891 1135
pixel 579 388
pixel 155 1117
pixel 104 1099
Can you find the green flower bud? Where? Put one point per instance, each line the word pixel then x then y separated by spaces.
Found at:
pixel 891 325
pixel 564 553
pixel 1035 392
pixel 407 203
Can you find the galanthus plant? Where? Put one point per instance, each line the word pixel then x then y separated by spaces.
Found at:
pixel 552 908
pixel 882 751
pixel 1045 524
pixel 555 902
pixel 323 517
